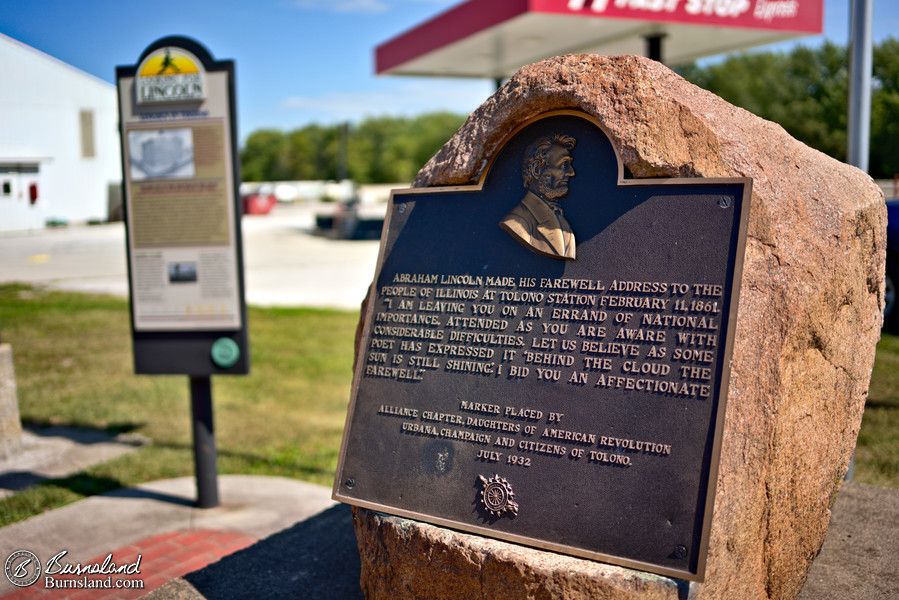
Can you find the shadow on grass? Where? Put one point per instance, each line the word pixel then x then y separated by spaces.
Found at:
pixel 270 465
pixel 83 433
pixel 81 484
pixel 290 458
pixel 57 455
pixel 877 403
pixel 52 440
pixel 84 484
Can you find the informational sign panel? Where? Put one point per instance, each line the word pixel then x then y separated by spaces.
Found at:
pixel 181 208
pixel 545 356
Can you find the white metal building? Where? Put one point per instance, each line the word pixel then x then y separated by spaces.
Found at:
pixel 59 145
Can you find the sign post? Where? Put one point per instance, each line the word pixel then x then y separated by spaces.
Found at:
pixel 185 258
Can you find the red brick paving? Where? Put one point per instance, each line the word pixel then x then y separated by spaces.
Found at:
pixel 163 557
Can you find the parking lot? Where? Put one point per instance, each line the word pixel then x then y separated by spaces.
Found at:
pixel 285 262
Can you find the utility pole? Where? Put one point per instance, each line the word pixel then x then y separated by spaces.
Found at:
pixel 861 64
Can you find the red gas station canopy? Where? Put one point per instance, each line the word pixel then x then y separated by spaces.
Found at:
pixel 494 38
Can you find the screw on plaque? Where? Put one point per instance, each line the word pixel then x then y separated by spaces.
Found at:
pixel 350 483
pixel 680 551
pixel 401 208
pixel 724 202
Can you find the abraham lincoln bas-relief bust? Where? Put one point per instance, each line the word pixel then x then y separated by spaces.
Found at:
pixel 537 221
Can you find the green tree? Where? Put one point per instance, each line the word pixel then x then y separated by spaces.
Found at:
pixel 884 157
pixel 804 91
pixel 807 92
pixel 264 156
pixel 377 150
pixel 372 161
pixel 431 132
pixel 301 156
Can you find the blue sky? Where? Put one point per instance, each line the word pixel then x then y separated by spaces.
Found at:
pixel 298 61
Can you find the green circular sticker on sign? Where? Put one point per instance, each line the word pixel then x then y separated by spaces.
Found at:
pixel 225 353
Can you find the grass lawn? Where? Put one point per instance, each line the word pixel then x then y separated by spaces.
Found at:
pixel 877 451
pixel 73 364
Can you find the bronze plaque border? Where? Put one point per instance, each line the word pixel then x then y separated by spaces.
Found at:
pixel 721 392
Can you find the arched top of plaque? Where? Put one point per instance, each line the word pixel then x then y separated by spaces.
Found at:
pixel 560 180
pixel 578 123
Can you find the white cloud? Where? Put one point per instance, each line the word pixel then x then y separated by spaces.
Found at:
pixel 401 99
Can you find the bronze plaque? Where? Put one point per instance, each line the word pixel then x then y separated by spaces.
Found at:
pixel 545 356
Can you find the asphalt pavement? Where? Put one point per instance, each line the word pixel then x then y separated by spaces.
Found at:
pixel 285 262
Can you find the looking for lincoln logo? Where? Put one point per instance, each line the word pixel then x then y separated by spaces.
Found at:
pixel 537 221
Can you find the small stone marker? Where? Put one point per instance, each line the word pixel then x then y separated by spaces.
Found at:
pixel 810 296
pixel 10 423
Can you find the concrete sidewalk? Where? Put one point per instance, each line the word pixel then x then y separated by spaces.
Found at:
pixel 159 521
